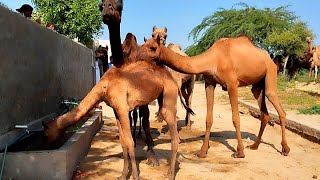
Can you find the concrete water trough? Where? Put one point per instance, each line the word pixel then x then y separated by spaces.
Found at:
pixel 25 161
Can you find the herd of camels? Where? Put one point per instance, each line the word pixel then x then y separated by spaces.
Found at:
pixel 227 62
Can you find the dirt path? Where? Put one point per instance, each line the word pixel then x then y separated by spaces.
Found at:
pixel 104 159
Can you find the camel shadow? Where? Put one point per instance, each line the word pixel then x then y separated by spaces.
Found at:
pixel 220 137
pixel 180 124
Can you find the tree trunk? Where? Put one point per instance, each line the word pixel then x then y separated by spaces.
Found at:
pixel 285 64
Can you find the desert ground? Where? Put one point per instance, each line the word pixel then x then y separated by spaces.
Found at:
pixel 104 160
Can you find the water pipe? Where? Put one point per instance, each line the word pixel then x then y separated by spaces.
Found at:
pixel 3 162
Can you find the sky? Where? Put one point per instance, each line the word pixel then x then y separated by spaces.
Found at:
pixel 181 16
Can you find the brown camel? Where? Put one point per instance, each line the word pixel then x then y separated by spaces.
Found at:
pixel 102 54
pixel 121 88
pixel 228 63
pixel 185 82
pixel 161 32
pixel 313 55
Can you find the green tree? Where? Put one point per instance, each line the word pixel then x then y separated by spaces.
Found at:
pixel 263 26
pixel 74 18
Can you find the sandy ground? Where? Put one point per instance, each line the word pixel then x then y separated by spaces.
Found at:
pixel 104 158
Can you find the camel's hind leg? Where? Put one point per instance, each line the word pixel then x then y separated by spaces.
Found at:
pixel 169 111
pixel 271 93
pixel 125 170
pixel 127 143
pixel 210 100
pixel 233 96
pixel 188 97
pixel 151 156
pixel 258 91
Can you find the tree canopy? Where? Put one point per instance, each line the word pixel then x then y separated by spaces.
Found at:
pixel 74 18
pixel 275 30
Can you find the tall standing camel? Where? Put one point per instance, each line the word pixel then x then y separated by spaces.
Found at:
pixel 185 82
pixel 313 56
pixel 230 62
pixel 121 88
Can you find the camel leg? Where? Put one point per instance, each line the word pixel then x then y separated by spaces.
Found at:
pixel 151 156
pixel 258 90
pixel 135 118
pixel 315 71
pixel 169 111
pixel 271 93
pixel 125 170
pixel 140 123
pixel 233 96
pixel 188 86
pixel 128 143
pixel 160 103
pixel 210 100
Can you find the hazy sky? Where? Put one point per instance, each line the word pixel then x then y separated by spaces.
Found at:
pixel 180 16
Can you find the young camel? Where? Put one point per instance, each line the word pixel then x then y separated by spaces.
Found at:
pixel 185 82
pixel 229 64
pixel 121 88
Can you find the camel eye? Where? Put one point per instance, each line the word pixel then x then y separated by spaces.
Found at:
pixel 153 49
pixel 153 35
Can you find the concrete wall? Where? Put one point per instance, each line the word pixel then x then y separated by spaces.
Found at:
pixel 38 68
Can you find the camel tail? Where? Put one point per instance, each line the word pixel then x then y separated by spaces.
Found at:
pixel 189 110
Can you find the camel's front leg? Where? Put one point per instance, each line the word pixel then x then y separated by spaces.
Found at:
pixel 233 96
pixel 210 100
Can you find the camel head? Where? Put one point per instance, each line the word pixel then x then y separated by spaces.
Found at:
pixel 111 11
pixel 101 52
pixel 52 132
pixel 150 49
pixel 309 39
pixel 175 47
pixel 130 43
pixel 161 32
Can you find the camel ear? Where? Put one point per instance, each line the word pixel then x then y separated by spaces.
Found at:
pixel 145 39
pixel 154 28
pixel 119 5
pixel 158 40
pixel 165 29
pixel 45 126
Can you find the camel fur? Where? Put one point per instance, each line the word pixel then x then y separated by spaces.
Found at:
pixel 232 63
pixel 121 88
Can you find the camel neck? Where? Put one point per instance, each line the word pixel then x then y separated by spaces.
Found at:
pixel 183 64
pixel 310 46
pixel 115 43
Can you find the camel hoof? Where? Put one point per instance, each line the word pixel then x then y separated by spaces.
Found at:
pixel 252 147
pixel 238 155
pixel 285 151
pixel 121 178
pixel 271 123
pixel 201 154
pixel 152 160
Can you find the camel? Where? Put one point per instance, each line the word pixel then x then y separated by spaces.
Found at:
pixel 161 32
pixel 228 63
pixel 315 60
pixel 185 82
pixel 121 88
pixel 102 54
pixel 312 55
